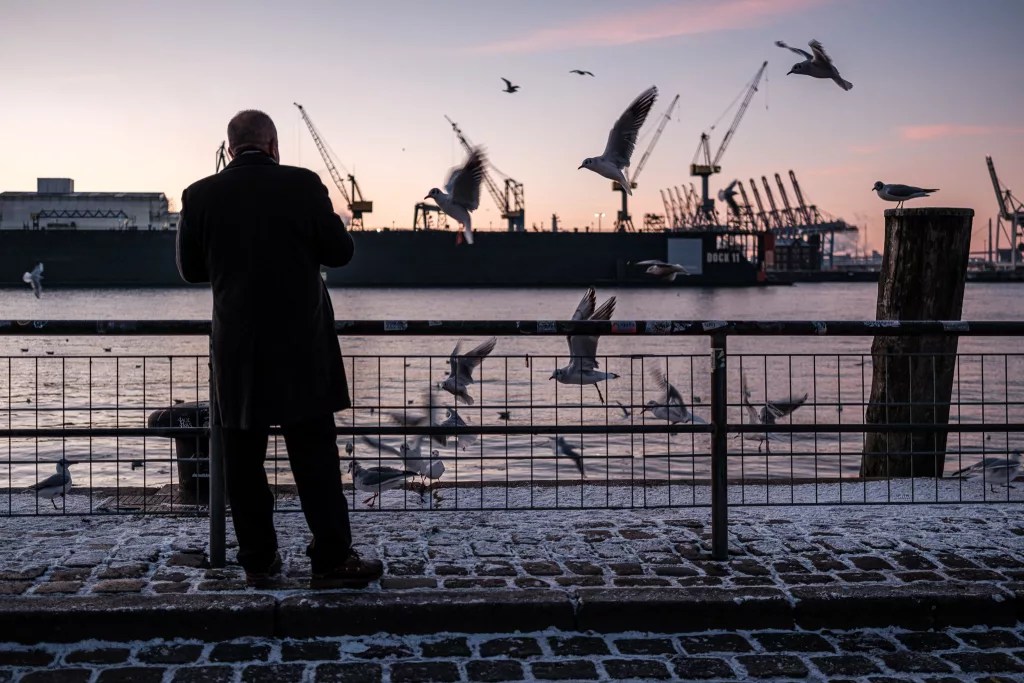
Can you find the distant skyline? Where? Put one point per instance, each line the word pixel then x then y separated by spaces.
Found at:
pixel 136 96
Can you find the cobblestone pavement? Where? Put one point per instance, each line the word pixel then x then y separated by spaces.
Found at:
pixel 876 655
pixel 783 548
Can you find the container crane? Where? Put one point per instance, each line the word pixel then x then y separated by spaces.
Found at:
pixel 221 160
pixel 748 210
pixel 808 212
pixel 776 216
pixel 711 165
pixel 511 202
pixel 623 221
pixel 1010 209
pixel 670 210
pixel 353 198
pixel 788 212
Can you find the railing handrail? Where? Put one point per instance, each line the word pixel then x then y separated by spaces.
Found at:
pixel 643 327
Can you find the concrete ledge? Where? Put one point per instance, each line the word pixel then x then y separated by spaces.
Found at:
pixel 917 606
pixel 66 619
pixel 682 609
pixel 325 614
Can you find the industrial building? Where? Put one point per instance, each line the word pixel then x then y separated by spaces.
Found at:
pixel 56 206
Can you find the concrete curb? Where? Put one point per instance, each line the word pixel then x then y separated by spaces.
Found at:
pixel 221 616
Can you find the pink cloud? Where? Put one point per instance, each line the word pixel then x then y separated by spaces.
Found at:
pixel 655 23
pixel 953 130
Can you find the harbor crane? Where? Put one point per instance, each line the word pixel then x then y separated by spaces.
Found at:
pixel 510 202
pixel 623 221
pixel 704 165
pixel 352 195
pixel 221 159
pixel 1010 210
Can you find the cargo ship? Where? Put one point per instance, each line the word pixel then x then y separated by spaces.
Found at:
pixel 103 239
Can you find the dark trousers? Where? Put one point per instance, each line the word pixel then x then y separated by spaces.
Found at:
pixel 313 453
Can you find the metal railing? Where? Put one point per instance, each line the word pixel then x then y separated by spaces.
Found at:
pixel 642 462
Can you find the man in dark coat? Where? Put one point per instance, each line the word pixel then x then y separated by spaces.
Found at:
pixel 258 233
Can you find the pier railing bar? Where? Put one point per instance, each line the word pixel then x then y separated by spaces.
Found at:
pixel 719 427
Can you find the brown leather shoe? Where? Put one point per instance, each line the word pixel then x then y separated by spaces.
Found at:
pixel 353 572
pixel 266 578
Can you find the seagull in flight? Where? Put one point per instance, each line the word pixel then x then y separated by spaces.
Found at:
pixel 582 367
pixel 461 192
pixel 509 88
pixel 376 480
pixel 728 195
pixel 56 484
pixel 461 374
pixel 817 65
pixel 581 72
pixel 995 471
pixel 568 450
pixel 662 270
pixel 898 193
pixel 671 407
pixel 35 278
pixel 771 411
pixel 621 141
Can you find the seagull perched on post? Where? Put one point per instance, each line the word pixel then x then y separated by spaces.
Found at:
pixel 461 374
pixel 817 65
pixel 621 140
pixel 582 367
pixel 376 480
pixel 581 72
pixel 461 192
pixel 771 411
pixel 662 270
pixel 900 193
pixel 56 484
pixel 35 278
pixel 671 407
pixel 508 85
pixel 995 471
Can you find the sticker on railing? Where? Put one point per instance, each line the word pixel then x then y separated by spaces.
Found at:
pixel 39 324
pixel 713 325
pixel 623 327
pixel 955 326
pixel 883 323
pixel 546 326
pixel 435 323
pixel 658 326
pixel 820 328
pixel 680 327
pixel 395 325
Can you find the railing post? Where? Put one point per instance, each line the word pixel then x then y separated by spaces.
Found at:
pixel 719 451
pixel 218 510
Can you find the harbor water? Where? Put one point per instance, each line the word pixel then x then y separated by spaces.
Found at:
pixel 50 381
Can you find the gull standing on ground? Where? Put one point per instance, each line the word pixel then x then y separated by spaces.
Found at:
pixel 582 367
pixel 410 453
pixel 564 448
pixel 508 85
pixel 817 65
pixel 994 471
pixel 771 411
pixel 621 140
pixel 900 193
pixel 460 376
pixel 56 484
pixel 662 270
pixel 671 407
pixel 461 192
pixel 581 72
pixel 376 480
pixel 35 278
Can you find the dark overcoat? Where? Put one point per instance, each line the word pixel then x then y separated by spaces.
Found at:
pixel 258 233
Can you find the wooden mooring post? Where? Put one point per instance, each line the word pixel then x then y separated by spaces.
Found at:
pixel 924 268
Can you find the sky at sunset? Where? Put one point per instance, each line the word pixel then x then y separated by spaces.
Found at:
pixel 135 96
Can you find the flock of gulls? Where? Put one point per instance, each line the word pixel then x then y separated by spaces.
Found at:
pixel 461 194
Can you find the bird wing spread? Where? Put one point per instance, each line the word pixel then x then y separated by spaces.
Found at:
pixel 672 395
pixel 381 446
pixel 803 53
pixel 463 184
pixel 785 406
pixel 820 57
pixel 622 137
pixel 463 366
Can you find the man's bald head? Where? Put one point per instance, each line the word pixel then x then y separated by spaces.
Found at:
pixel 250 130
